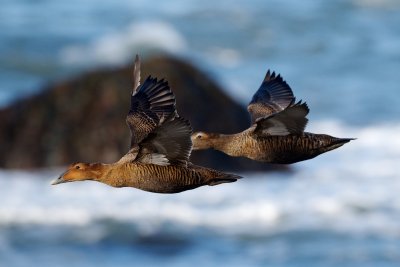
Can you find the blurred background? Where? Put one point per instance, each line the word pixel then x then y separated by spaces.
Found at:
pixel 341 208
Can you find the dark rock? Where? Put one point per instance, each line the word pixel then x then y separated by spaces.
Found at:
pixel 83 119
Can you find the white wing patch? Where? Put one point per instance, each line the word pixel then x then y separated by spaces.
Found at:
pixel 291 120
pixel 277 128
pixel 155 158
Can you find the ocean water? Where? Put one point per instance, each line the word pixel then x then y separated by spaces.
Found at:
pixel 334 210
pixel 341 208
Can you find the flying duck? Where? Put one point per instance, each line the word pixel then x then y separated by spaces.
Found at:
pixel 158 158
pixel 276 134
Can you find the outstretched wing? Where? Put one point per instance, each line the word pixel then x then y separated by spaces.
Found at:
pixel 151 103
pixel 136 74
pixel 274 95
pixel 170 143
pixel 291 120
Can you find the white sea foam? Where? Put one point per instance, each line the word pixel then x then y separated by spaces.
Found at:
pixel 353 189
pixel 225 57
pixel 118 47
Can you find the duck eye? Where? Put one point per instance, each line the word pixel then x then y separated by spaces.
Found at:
pixel 77 167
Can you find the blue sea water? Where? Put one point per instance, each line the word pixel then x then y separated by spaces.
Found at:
pixel 342 208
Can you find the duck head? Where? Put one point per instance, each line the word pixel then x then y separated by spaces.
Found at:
pixel 79 172
pixel 203 140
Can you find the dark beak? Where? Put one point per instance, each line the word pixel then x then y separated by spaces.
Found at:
pixel 59 180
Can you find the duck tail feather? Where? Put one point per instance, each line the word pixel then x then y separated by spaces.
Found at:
pixel 226 178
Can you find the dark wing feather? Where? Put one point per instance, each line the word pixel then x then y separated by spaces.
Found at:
pixel 151 104
pixel 292 120
pixel 170 143
pixel 136 74
pixel 274 95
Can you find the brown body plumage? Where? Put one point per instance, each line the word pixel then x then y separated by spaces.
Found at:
pixel 158 159
pixel 274 149
pixel 276 134
pixel 147 177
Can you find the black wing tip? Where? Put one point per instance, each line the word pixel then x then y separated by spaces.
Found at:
pixel 274 91
pixel 272 76
pixel 275 83
pixel 186 122
pixel 300 103
pixel 150 79
pixel 154 96
pixel 179 121
pixel 155 79
pixel 152 88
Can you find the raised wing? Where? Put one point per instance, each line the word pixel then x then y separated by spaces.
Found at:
pixel 151 104
pixel 274 95
pixel 136 74
pixel 170 143
pixel 292 120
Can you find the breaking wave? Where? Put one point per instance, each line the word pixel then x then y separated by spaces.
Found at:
pixel 353 189
pixel 118 47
